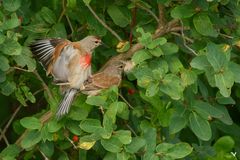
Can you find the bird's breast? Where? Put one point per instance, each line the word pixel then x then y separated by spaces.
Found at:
pixel 85 60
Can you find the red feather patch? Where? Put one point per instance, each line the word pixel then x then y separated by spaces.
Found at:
pixel 86 60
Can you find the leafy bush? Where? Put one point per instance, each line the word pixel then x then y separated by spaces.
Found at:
pixel 179 102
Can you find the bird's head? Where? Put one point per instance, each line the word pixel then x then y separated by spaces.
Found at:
pixel 89 43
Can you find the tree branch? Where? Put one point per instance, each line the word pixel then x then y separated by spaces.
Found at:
pixel 161 11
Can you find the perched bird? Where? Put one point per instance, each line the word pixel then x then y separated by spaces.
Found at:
pixel 68 62
pixel 105 78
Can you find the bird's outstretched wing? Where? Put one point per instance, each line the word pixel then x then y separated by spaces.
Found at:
pixel 47 50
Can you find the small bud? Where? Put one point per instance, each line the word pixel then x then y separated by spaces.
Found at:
pixel 225 47
pixel 75 138
pixel 131 91
pixel 123 46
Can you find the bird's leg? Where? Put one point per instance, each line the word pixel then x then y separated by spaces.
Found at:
pixel 82 87
pixel 62 84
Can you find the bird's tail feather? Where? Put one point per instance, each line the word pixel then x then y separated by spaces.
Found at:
pixel 66 102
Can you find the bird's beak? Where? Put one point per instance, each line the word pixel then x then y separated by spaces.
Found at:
pixel 104 45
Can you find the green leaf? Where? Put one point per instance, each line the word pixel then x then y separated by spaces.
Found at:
pixel 235 68
pixel 7 87
pixel 152 89
pixel 37 28
pixel 212 111
pixel 71 3
pixel 136 144
pixel 179 150
pixel 90 125
pixel 204 25
pixel 150 136
pixel 171 85
pixel 123 111
pixel 156 42
pixel 124 136
pixel 157 52
pixel 48 15
pixel 112 145
pixel 183 11
pixel 216 57
pixel 224 100
pixel 2 75
pixel 144 81
pixel 174 63
pixel 53 126
pixel 28 94
pixel 31 138
pixel 47 148
pixel 46 135
pixel 25 59
pixel 2 38
pixel 169 48
pixel 11 47
pixel 74 127
pixel 96 100
pixel 224 144
pixel 188 77
pixel 200 127
pixel 200 62
pixel 224 81
pixel 226 119
pixel 177 123
pixel 118 16
pixel 11 23
pixel 79 112
pixel 164 147
pixel 58 30
pixel 123 156
pixel 141 56
pixel 11 5
pixel 175 151
pixel 12 150
pixel 110 156
pixel 146 38
pixel 31 123
pixel 4 66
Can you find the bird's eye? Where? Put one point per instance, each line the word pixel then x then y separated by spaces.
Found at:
pixel 96 42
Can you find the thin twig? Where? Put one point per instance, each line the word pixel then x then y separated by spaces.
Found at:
pixel 10 121
pixel 63 11
pixel 226 36
pixel 70 24
pixel 149 11
pixel 185 37
pixel 184 41
pixel 130 106
pixel 103 23
pixel 130 128
pixel 4 137
pixel 133 23
pixel 44 156
pixel 13 116
pixel 74 146
pixel 21 69
pixel 44 85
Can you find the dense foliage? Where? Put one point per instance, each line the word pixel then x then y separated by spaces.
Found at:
pixel 179 102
